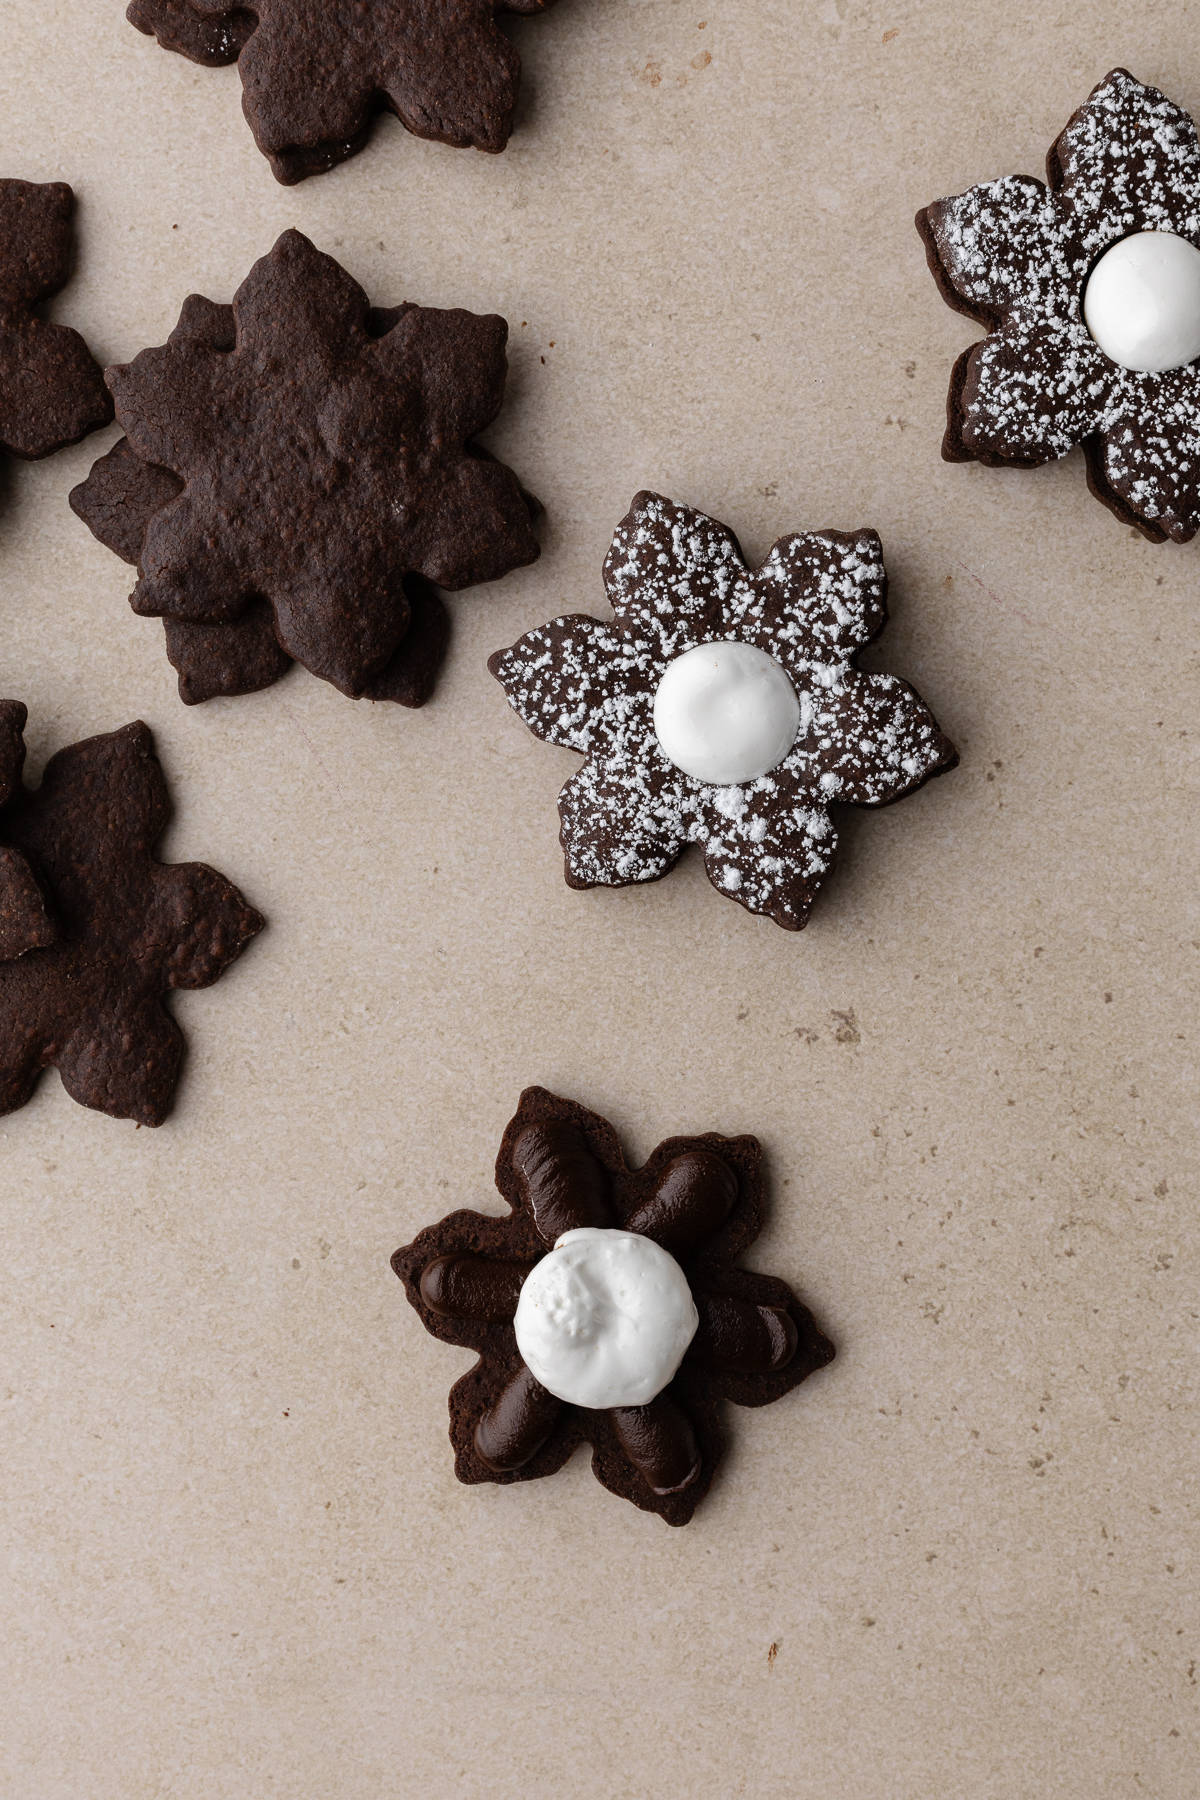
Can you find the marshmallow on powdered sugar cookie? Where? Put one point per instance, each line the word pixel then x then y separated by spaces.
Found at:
pixel 722 707
pixel 1090 290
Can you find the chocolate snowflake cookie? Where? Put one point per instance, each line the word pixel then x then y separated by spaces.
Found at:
pixel 52 392
pixel 607 1308
pixel 1090 291
pixel 298 470
pixel 94 930
pixel 315 73
pixel 722 707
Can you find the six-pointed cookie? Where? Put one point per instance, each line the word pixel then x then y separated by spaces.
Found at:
pixel 1090 292
pixel 723 707
pixel 610 1307
pixel 95 931
pixel 52 391
pixel 298 469
pixel 315 73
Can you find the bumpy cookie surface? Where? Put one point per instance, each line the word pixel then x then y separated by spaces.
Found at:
pixel 677 581
pixel 315 73
pixel 1016 255
pixel 52 392
pixel 560 1169
pixel 298 470
pixel 95 931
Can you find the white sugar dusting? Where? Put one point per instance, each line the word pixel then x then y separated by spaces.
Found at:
pixel 1039 384
pixel 675 579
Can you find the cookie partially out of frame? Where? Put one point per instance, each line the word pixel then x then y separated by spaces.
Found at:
pixel 52 391
pixel 561 1168
pixel 315 73
pixel 95 931
pixel 298 473
pixel 722 706
pixel 1074 355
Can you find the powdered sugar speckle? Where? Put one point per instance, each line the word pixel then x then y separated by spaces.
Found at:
pixel 1016 255
pixel 676 578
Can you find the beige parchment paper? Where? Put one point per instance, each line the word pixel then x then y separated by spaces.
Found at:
pixel 960 1562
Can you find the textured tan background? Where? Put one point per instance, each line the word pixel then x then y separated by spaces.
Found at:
pixel 236 1563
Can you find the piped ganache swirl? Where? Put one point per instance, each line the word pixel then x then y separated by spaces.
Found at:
pixel 636 1283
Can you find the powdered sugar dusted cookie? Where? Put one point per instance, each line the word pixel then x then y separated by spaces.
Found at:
pixel 1090 290
pixel 722 707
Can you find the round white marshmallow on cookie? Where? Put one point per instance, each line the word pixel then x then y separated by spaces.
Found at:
pixel 725 712
pixel 605 1318
pixel 1142 302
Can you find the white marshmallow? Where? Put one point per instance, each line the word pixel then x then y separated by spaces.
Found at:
pixel 605 1318
pixel 1142 302
pixel 725 712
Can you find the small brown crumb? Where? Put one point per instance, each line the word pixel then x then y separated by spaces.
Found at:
pixel 845 1027
pixel 889 35
pixel 772 1653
